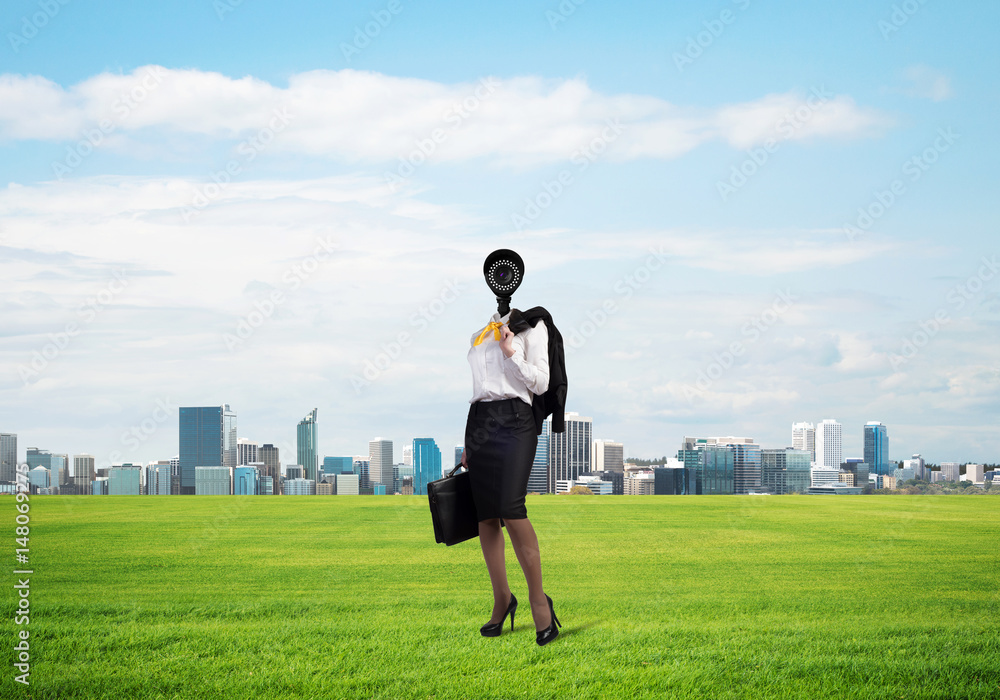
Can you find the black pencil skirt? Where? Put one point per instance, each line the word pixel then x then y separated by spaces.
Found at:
pixel 500 442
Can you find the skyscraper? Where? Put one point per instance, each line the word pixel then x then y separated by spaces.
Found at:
pixel 8 457
pixel 538 479
pixel 270 469
pixel 828 444
pixel 746 462
pixel 786 470
pixel 877 447
pixel 804 438
pixel 569 451
pixel 426 464
pixel 246 452
pixel 83 473
pixel 380 462
pixel 307 454
pixel 709 468
pixel 207 439
pixel 609 456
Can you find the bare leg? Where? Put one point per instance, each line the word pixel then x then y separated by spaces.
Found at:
pixel 522 536
pixel 492 542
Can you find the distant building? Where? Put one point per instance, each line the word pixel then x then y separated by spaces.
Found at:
pixel 269 469
pixel 83 473
pixel 670 480
pixel 246 452
pixel 326 487
pixel 158 478
pixel 609 456
pixel 338 465
pixel 39 478
pixel 361 467
pixel 950 471
pixel 426 464
pixel 859 469
pixel 538 479
pixel 877 447
pixel 347 484
pixel 380 462
pixel 294 471
pixel 903 474
pixel 597 486
pixel 640 484
pixel 213 481
pixel 125 480
pixel 974 473
pixel 836 488
pixel 308 456
pixel 713 466
pixel 829 440
pixel 917 465
pixel 785 470
pixel 459 449
pixel 246 481
pixel 822 476
pixel 804 438
pixel 569 451
pixel 300 487
pixel 746 462
pixel 8 458
pixel 207 439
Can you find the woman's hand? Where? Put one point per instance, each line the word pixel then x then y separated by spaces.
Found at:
pixel 464 462
pixel 506 341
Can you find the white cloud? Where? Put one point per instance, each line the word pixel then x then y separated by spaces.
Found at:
pixel 359 116
pixel 928 83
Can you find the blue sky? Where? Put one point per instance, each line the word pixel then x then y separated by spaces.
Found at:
pixel 848 272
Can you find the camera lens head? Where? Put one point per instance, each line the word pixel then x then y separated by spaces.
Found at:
pixel 504 271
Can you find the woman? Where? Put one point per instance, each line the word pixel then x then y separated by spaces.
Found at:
pixel 500 442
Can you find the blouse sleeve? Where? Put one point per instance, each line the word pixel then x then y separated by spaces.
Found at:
pixel 530 361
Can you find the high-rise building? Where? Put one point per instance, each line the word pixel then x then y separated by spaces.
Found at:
pixel 859 469
pixel 785 470
pixel 459 449
pixel 246 452
pixel 746 462
pixel 916 463
pixel 804 438
pixel 609 456
pixel 308 456
pixel 569 451
pixel 8 457
pixel 39 478
pixel 158 477
pixel 408 455
pixel 949 471
pixel 83 473
pixel 207 439
pixel 426 464
pixel 125 480
pixel 338 465
pixel 361 469
pixel 828 444
pixel 43 458
pixel 877 447
pixel 538 479
pixel 245 481
pixel 380 462
pixel 711 467
pixel 269 469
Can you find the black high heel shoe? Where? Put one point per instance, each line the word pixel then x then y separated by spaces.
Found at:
pixel 493 629
pixel 551 632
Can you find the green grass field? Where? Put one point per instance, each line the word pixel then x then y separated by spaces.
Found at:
pixel 660 597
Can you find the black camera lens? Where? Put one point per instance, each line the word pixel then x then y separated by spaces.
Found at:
pixel 504 275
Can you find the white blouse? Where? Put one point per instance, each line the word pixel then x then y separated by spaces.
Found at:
pixel 496 376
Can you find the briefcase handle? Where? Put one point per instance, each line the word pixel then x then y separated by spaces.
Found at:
pixel 457 467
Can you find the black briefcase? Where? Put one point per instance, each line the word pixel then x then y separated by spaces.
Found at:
pixel 453 511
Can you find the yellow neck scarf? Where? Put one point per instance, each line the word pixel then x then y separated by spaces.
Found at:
pixel 493 326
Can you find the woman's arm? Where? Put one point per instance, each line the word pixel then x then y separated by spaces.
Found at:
pixel 528 360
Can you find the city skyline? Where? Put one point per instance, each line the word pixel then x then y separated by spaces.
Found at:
pixel 739 216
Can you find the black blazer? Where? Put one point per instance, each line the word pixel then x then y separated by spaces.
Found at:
pixel 553 401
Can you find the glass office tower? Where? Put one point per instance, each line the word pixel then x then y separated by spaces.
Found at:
pixel 307 455
pixel 877 447
pixel 207 439
pixel 426 464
